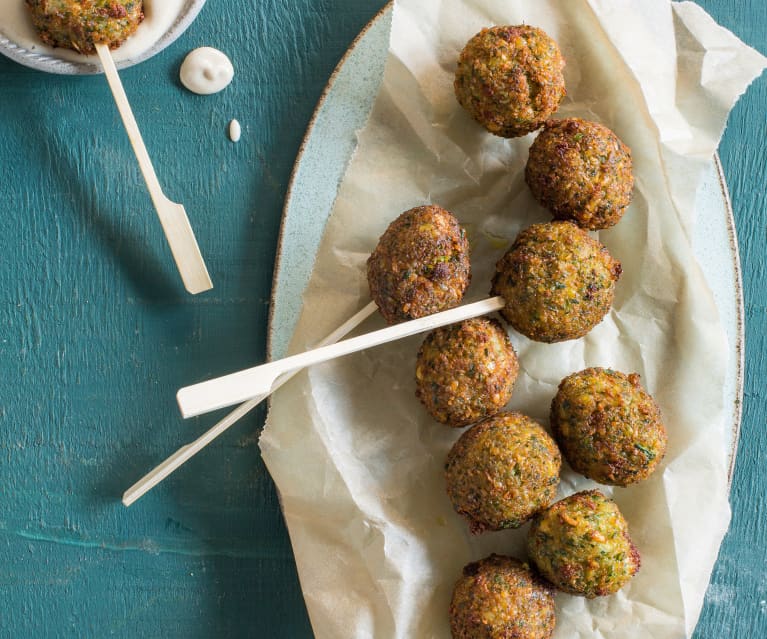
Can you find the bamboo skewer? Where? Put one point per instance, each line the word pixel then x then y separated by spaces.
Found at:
pixel 237 387
pixel 173 217
pixel 183 454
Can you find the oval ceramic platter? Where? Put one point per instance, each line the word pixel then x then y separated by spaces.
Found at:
pixel 329 143
pixel 62 61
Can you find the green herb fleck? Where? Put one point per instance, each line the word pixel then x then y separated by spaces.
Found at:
pixel 650 453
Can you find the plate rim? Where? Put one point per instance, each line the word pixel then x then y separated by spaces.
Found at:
pixel 52 64
pixel 740 326
pixel 739 346
pixel 297 163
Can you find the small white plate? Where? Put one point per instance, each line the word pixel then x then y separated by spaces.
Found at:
pixel 46 59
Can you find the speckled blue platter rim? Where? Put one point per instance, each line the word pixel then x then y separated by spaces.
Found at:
pixel 328 145
pixel 52 64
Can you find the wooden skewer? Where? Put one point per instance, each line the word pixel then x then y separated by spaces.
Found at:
pixel 237 387
pixel 183 454
pixel 173 218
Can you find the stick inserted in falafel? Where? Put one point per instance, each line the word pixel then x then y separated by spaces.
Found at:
pixel 81 24
pixel 420 265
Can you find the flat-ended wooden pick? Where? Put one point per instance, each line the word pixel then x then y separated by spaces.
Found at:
pixel 185 453
pixel 238 387
pixel 173 218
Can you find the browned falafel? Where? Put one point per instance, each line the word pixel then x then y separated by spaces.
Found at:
pixel 581 171
pixel 581 545
pixel 420 265
pixel 502 471
pixel 558 282
pixel 466 372
pixel 607 426
pixel 81 24
pixel 509 79
pixel 500 597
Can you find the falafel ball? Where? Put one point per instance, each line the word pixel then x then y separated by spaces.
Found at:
pixel 558 282
pixel 509 79
pixel 580 171
pixel 502 471
pixel 420 265
pixel 81 24
pixel 466 372
pixel 581 544
pixel 500 597
pixel 607 426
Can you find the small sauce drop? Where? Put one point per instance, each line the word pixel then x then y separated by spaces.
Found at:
pixel 206 70
pixel 235 131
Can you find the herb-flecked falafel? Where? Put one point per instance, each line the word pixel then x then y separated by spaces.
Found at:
pixel 466 372
pixel 420 265
pixel 607 426
pixel 499 597
pixel 558 282
pixel 509 79
pixel 580 171
pixel 581 545
pixel 81 24
pixel 502 471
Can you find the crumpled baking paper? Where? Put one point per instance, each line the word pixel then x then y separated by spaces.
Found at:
pixel 357 460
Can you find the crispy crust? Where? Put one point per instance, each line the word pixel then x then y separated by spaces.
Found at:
pixel 558 282
pixel 509 79
pixel 499 597
pixel 81 24
pixel 420 265
pixel 608 427
pixel 581 171
pixel 582 545
pixel 502 471
pixel 466 372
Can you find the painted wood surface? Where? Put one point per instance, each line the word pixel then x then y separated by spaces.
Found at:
pixel 736 602
pixel 97 333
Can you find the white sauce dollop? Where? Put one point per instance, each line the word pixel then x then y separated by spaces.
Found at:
pixel 206 70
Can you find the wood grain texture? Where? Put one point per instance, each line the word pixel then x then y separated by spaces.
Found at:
pixel 96 334
pixel 736 602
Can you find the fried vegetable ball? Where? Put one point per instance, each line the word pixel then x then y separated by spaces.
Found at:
pixel 581 545
pixel 81 24
pixel 608 427
pixel 580 171
pixel 420 265
pixel 500 598
pixel 510 79
pixel 502 471
pixel 466 372
pixel 558 282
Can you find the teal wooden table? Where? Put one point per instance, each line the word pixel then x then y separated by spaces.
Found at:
pixel 96 333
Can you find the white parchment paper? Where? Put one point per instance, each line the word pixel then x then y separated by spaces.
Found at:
pixel 358 461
